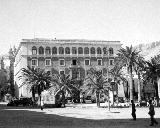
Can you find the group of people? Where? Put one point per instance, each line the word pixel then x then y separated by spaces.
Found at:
pixel 151 112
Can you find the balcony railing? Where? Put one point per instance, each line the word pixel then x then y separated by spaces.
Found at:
pixel 71 55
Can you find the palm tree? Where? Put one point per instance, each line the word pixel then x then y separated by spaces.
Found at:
pixel 152 73
pixel 128 56
pixel 139 69
pixel 77 89
pixel 95 83
pixel 116 74
pixel 37 80
pixel 63 84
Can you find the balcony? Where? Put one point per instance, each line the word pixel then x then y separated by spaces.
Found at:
pixel 69 55
pixel 74 66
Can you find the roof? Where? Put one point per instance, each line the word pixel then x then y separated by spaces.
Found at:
pixel 69 41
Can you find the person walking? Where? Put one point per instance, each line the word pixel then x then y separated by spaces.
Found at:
pixel 152 113
pixel 133 110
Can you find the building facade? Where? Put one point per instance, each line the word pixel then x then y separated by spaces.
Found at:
pixel 67 56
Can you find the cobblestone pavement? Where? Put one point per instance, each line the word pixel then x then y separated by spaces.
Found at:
pixel 75 116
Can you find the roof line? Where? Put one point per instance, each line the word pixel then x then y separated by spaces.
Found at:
pixel 82 40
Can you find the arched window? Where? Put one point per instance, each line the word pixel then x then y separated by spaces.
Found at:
pixel 110 50
pixel 80 50
pixel 41 50
pixel 54 50
pixel 34 50
pixel 86 50
pixel 74 50
pixel 99 51
pixel 92 50
pixel 48 50
pixel 104 50
pixel 67 50
pixel 61 50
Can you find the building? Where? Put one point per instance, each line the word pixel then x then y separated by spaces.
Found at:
pixel 69 56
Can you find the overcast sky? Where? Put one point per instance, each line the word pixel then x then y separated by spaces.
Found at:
pixel 128 21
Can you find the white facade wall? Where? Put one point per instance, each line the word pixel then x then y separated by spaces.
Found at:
pixel 24 56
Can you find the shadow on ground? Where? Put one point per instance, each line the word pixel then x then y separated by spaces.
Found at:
pixel 28 119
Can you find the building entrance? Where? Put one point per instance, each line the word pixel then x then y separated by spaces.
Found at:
pixel 74 73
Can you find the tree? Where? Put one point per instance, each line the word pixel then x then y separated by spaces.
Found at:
pixel 77 89
pixel 12 54
pixel 63 85
pixel 152 73
pixel 139 69
pixel 116 74
pixel 3 83
pixel 95 83
pixel 129 56
pixel 37 80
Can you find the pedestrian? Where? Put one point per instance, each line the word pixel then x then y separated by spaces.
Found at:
pixel 133 110
pixel 152 113
pixel 42 105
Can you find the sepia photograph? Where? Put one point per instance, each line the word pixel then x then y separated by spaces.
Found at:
pixel 79 63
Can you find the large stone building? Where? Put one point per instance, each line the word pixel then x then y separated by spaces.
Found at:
pixel 69 56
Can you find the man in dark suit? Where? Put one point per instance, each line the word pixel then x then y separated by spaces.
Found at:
pixel 133 110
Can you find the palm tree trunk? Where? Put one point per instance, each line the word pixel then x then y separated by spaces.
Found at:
pixel 63 98
pixel 158 90
pixel 117 93
pixel 39 96
pixel 108 99
pixel 97 97
pixel 33 94
pixel 131 83
pixel 139 88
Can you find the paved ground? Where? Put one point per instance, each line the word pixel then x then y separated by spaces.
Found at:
pixel 74 116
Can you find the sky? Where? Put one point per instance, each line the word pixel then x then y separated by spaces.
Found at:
pixel 129 21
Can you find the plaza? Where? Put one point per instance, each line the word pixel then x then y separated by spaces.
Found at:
pixel 74 116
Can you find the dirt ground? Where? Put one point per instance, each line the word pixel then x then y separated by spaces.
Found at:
pixel 77 116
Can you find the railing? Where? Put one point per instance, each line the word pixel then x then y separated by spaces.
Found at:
pixel 71 55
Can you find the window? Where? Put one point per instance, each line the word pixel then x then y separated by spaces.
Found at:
pixel 48 62
pixel 110 50
pixel 61 50
pixel 67 50
pixel 61 72
pixel 92 50
pixel 54 50
pixel 80 50
pixel 48 50
pixel 41 50
pixel 87 62
pixel 104 50
pixel 99 61
pixel 34 50
pixel 74 50
pixel 99 50
pixel 111 62
pixel 62 62
pixel 86 50
pixel 74 62
pixel 34 62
